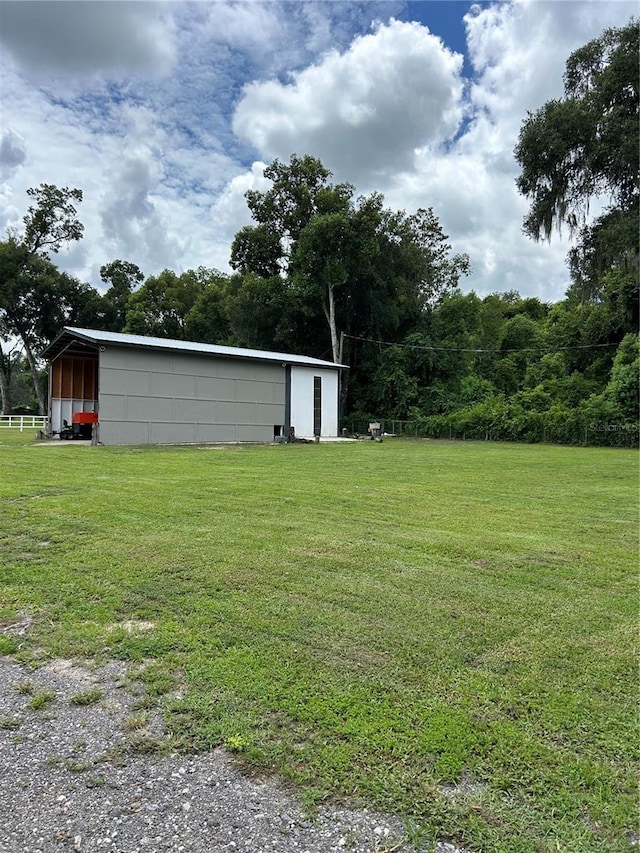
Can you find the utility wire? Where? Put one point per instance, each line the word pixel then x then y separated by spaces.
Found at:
pixel 463 349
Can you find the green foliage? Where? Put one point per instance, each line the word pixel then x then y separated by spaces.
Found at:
pixel 8 645
pixel 517 369
pixel 299 191
pixel 622 388
pixel 256 249
pixel 259 312
pixel 393 382
pixel 18 395
pixel 208 319
pixel 533 416
pixel 161 306
pixel 123 277
pixel 570 151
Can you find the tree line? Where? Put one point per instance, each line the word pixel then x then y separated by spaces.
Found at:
pixel 326 273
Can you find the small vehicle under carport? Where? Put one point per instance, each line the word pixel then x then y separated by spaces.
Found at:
pixel 81 426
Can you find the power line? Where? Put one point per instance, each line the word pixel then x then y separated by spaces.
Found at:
pixel 477 350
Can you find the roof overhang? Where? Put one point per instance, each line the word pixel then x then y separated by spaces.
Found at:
pixel 90 339
pixel 71 343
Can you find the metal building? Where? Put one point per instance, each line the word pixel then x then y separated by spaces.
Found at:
pixel 160 391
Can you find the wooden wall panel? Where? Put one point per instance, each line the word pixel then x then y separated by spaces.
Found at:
pixel 56 378
pixel 78 378
pixel 74 378
pixel 66 390
pixel 91 379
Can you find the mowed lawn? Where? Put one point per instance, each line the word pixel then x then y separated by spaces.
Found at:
pixel 446 631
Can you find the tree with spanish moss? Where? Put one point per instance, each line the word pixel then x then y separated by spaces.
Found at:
pixel 585 144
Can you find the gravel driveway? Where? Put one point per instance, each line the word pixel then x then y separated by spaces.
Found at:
pixel 70 781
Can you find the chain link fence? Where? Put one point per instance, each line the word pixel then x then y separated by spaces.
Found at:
pixel 534 429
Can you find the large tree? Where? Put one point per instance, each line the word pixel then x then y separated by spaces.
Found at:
pixel 27 279
pixel 299 191
pixel 585 144
pixel 324 257
pixel 300 207
pixel 351 264
pixel 36 300
pixel 573 151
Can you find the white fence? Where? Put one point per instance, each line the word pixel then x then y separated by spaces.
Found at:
pixel 23 422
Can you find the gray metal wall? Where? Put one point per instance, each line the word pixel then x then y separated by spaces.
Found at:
pixel 150 397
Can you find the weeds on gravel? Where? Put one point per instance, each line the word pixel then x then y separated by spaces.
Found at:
pixel 116 756
pixel 145 744
pixel 87 697
pixel 10 723
pixel 42 700
pixel 376 621
pixel 77 766
pixel 24 688
pixel 144 703
pixel 135 722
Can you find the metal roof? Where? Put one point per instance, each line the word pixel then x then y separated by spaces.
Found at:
pixel 71 335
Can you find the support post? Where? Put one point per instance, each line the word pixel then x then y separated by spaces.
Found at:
pixel 287 401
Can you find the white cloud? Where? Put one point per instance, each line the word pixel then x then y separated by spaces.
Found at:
pixel 12 152
pixel 518 51
pixel 87 37
pixel 244 25
pixel 230 210
pixel 363 111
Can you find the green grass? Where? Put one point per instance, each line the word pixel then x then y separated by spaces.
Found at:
pixel 443 630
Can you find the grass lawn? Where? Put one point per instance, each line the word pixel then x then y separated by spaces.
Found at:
pixel 442 630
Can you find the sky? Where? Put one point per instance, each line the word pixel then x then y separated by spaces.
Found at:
pixel 165 114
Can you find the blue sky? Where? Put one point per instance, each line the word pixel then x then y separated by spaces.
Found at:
pixel 164 114
pixel 445 19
